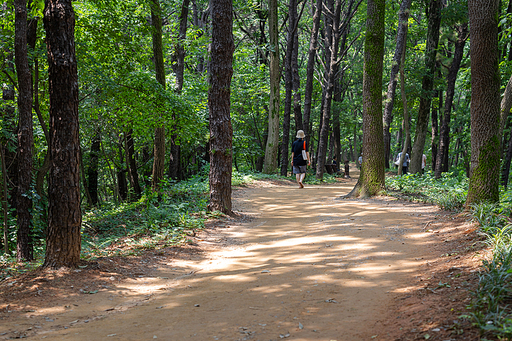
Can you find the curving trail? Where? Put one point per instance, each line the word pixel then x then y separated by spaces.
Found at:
pixel 307 266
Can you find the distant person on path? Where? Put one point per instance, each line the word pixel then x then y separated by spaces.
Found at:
pixel 423 163
pixel 299 162
pixel 360 161
pixel 405 165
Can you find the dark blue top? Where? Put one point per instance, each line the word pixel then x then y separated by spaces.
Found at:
pixel 297 147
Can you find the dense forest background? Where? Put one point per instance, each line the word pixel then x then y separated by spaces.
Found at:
pixel 129 99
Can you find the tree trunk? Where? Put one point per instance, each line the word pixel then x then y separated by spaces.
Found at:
pixel 178 64
pixel 24 245
pixel 5 210
pixel 435 123
pixel 401 39
pixel 505 171
pixel 64 215
pixel 434 22
pixel 485 105
pixel 324 131
pixel 371 178
pixel 310 70
pixel 407 129
pixel 288 81
pixel 444 135
pixel 92 169
pixel 159 142
pixel 297 112
pixel 273 114
pixel 506 105
pixel 121 173
pixel 132 165
pixel 221 131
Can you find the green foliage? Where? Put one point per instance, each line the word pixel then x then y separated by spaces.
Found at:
pixel 156 220
pixel 449 192
pixel 490 306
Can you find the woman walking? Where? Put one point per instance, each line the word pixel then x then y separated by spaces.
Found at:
pixel 300 158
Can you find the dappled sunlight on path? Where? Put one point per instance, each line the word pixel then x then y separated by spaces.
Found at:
pixel 309 267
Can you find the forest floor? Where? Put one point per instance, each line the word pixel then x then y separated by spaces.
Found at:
pixel 298 264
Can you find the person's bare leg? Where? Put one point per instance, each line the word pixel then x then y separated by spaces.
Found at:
pixel 297 176
pixel 302 176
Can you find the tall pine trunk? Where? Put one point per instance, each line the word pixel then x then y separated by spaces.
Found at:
pixel 221 132
pixel 64 214
pixel 24 245
pixel 485 102
pixel 371 178
pixel 272 145
pixel 159 141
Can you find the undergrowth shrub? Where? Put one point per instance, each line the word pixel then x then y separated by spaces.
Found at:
pixel 449 192
pixel 491 310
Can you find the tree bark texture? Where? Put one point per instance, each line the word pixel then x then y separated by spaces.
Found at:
pixel 288 81
pixel 92 169
pixel 158 55
pixel 64 215
pixel 331 52
pixel 401 41
pixel 24 245
pixel 178 58
pixel 310 70
pixel 272 145
pixel 221 131
pixel 444 134
pixel 407 129
pixel 427 84
pixel 178 64
pixel 505 171
pixel 485 102
pixel 371 178
pixel 506 105
pixel 132 165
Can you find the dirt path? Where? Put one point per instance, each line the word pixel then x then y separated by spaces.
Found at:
pixel 305 267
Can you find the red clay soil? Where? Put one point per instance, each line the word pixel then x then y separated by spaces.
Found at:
pixel 298 264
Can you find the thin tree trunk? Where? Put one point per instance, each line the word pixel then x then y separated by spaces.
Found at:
pixel 272 146
pixel 407 128
pixel 434 22
pixel 159 141
pixel 43 170
pixel 401 40
pixel 505 171
pixel 324 132
pixel 92 169
pixel 121 172
pixel 178 68
pixel 434 143
pixel 24 247
pixel 288 81
pixel 506 105
pixel 132 165
pixel 310 70
pixel 451 78
pixel 4 201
